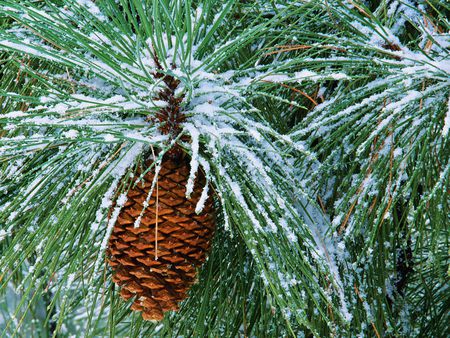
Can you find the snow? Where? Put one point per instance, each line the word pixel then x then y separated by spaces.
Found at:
pixel 121 200
pixel 443 65
pixel 207 108
pixel 70 279
pixel 92 9
pixel 339 76
pixel 194 133
pixel 126 161
pixel 116 170
pixel 28 49
pixel 109 138
pixel 13 114
pixel 3 234
pixel 312 76
pixel 443 40
pixel 343 113
pixel 12 216
pixel 238 194
pixel 71 134
pixel 277 78
pixel 137 222
pixel 376 35
pixel 20 47
pixel 204 196
pixel 304 74
pixel 59 108
pixel 120 203
pixel 446 120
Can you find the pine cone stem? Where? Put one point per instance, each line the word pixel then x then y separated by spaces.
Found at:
pixel 157 219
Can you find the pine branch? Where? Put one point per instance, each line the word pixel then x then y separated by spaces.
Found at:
pixel 321 126
pixel 90 126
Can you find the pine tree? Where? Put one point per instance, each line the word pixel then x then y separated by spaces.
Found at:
pixel 315 131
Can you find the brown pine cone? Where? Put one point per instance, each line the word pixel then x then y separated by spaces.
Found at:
pixel 157 262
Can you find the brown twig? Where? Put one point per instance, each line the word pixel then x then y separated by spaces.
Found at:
pixel 295 90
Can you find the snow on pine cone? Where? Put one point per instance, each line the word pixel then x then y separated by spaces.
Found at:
pixel 156 262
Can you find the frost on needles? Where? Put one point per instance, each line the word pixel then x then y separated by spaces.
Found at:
pixel 322 127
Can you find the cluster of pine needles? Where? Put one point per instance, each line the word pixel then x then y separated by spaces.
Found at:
pixel 321 128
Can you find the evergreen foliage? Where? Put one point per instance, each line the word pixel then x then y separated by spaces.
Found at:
pixel 321 125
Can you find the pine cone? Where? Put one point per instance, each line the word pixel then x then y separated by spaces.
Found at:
pixel 175 233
